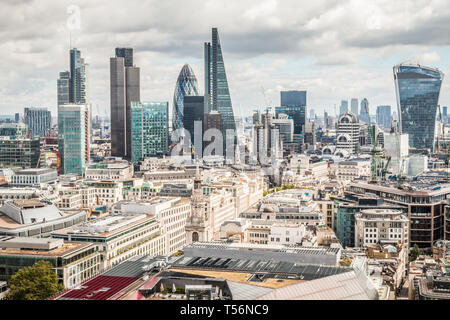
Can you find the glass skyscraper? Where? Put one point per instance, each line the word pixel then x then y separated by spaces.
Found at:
pixel 124 89
pixel 186 86
pixel 293 103
pixel 150 129
pixel 78 91
pixel 344 107
pixel 417 88
pixel 364 113
pixel 354 106
pixel 384 117
pixel 73 137
pixel 217 93
pixel 38 121
pixel 63 88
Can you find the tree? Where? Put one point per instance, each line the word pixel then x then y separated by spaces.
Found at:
pixel 38 282
pixel 415 252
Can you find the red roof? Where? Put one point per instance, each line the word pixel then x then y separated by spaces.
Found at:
pixel 99 288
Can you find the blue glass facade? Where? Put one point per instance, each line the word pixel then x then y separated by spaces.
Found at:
pixel 217 93
pixel 293 103
pixel 149 129
pixel 73 138
pixel 186 86
pixel 344 107
pixel 417 88
pixel 364 113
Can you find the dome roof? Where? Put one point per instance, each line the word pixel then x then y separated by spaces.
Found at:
pixel 348 117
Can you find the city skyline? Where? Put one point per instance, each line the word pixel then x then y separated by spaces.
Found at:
pixel 296 58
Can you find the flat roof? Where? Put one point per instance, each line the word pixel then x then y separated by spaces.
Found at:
pixel 65 249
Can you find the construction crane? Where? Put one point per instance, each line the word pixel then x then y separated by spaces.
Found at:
pixel 373 152
pixel 401 176
pixel 384 170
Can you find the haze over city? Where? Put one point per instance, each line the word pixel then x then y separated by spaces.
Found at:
pixel 332 49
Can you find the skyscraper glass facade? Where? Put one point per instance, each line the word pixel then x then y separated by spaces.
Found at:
pixel 417 88
pixel 38 121
pixel 354 106
pixel 217 92
pixel 344 107
pixel 384 117
pixel 364 113
pixel 78 90
pixel 63 85
pixel 73 137
pixel 186 86
pixel 293 103
pixel 150 129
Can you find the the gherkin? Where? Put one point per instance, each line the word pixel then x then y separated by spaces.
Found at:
pixel 186 86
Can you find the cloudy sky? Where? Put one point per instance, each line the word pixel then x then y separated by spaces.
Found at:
pixel 334 49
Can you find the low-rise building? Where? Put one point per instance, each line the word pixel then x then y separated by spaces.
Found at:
pixel 73 262
pixel 118 236
pixel 33 218
pixel 34 177
pixel 384 226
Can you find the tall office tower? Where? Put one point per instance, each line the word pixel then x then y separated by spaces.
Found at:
pixel 344 107
pixel 74 129
pixel 212 120
pixel 78 82
pixel 347 134
pixel 38 120
pixel 17 117
pixel 127 54
pixel 293 103
pixel 217 93
pixel 285 127
pixel 186 86
pixel 444 114
pixel 384 117
pixel 193 110
pixel 312 114
pixel 417 88
pixel 150 129
pixel 63 88
pixel 364 113
pixel 325 119
pixel 124 89
pixel 354 106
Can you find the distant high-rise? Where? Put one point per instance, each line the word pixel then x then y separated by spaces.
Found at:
pixel 417 88
pixel 38 121
pixel 127 54
pixel 78 83
pixel 364 113
pixel 344 107
pixel 150 129
pixel 63 85
pixel 217 93
pixel 444 114
pixel 74 128
pixel 124 89
pixel 193 111
pixel 312 114
pixel 186 86
pixel 354 106
pixel 293 103
pixel 384 117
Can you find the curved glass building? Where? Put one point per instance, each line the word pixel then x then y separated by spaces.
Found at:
pixel 417 89
pixel 186 86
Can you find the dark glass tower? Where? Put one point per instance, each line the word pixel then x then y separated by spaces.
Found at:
pixel 217 93
pixel 127 54
pixel 293 103
pixel 186 86
pixel 78 78
pixel 125 88
pixel 417 88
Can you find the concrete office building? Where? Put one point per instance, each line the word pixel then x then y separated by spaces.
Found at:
pixel 73 262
